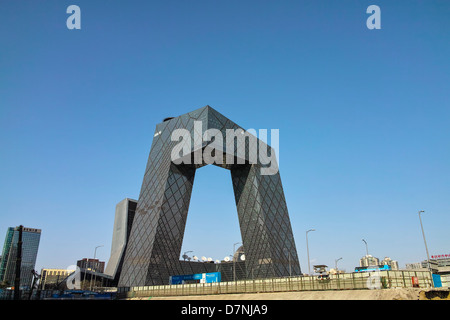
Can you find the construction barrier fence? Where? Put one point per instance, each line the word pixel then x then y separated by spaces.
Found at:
pixel 345 281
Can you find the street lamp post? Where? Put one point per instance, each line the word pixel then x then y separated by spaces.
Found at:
pixel 424 240
pixel 234 260
pixel 369 261
pixel 367 250
pixel 185 256
pixel 307 250
pixel 289 257
pixel 290 268
pixel 335 263
pixel 95 254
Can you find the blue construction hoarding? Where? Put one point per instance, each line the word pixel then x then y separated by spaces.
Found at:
pixel 437 281
pixel 196 278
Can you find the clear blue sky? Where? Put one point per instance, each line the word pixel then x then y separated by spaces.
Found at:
pixel 363 117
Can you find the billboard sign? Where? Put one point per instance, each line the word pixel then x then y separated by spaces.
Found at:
pixel 209 277
pixel 440 256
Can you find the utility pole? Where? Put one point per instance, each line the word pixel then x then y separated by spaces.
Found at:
pixel 18 265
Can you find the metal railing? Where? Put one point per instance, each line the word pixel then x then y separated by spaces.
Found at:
pixel 346 281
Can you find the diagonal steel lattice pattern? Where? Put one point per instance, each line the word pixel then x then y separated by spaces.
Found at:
pixel 155 242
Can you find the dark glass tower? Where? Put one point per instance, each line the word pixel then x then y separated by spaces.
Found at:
pixel 156 237
pixel 30 245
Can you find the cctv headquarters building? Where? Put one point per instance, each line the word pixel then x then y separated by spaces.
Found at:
pixel 148 250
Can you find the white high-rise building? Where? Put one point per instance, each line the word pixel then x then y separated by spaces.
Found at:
pixel 392 263
pixel 368 260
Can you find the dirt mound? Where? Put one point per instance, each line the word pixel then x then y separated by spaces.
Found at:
pixel 381 294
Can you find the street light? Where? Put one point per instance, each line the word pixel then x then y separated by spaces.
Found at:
pixel 307 250
pixel 234 260
pixel 424 240
pixel 335 264
pixel 289 256
pixel 95 253
pixel 185 255
pixel 367 250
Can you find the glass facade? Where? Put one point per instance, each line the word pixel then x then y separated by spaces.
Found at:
pixel 155 241
pixel 123 222
pixel 5 252
pixel 30 245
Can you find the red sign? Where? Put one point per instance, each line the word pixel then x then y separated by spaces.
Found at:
pixel 415 282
